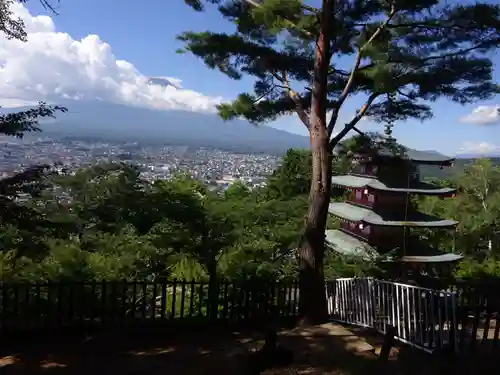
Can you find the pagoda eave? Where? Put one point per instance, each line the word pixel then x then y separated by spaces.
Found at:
pixel 359 182
pixel 418 252
pixel 413 156
pixel 353 213
pixel 346 244
pixel 442 258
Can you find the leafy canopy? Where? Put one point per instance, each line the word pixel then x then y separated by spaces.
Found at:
pixel 396 53
pixel 293 177
pixel 476 207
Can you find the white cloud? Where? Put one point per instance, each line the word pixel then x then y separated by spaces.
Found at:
pixel 483 115
pixel 52 65
pixel 478 148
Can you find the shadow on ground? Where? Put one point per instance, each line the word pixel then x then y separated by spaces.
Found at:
pixel 213 351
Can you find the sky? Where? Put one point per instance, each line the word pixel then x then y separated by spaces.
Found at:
pixel 95 49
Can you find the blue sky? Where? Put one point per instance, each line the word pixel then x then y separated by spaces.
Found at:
pixel 144 35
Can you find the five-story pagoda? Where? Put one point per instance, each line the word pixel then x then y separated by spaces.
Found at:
pixel 378 214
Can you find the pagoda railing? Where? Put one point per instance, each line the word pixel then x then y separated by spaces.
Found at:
pixel 359 230
pixel 361 197
pixel 422 317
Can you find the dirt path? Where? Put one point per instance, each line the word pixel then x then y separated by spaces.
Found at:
pixel 320 350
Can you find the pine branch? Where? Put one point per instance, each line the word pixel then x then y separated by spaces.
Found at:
pixel 287 21
pixel 351 124
pixel 427 51
pixel 359 55
pixel 18 123
pixel 295 97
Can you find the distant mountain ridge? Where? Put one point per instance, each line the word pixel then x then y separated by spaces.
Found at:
pixel 99 120
pixel 491 155
pixel 447 172
pixel 122 123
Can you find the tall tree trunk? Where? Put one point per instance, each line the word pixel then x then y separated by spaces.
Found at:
pixel 313 307
pixel 312 303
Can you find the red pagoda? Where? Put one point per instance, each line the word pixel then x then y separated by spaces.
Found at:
pixel 379 215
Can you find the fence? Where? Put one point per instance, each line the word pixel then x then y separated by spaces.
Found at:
pixel 478 312
pixel 32 306
pixel 422 317
pixel 461 317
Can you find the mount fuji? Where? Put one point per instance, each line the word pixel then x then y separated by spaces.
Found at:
pixel 101 120
pixel 165 82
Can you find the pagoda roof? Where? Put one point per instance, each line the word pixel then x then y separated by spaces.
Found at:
pixel 353 181
pixel 441 258
pixel 352 212
pixel 420 252
pixel 415 156
pixel 346 244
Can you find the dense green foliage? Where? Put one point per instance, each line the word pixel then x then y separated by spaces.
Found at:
pixel 104 222
pixel 110 224
pixel 477 208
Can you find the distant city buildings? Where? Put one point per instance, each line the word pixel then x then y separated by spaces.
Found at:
pixel 218 169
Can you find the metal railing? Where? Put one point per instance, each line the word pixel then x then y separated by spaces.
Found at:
pixel 422 317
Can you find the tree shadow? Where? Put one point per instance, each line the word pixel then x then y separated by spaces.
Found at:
pixel 135 352
pixel 213 350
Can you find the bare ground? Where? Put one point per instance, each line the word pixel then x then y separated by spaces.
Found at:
pixel 209 352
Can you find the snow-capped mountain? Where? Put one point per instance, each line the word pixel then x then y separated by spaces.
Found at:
pixel 164 82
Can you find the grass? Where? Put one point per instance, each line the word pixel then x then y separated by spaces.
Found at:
pixel 206 352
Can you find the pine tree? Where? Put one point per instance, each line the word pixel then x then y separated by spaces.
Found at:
pixel 398 54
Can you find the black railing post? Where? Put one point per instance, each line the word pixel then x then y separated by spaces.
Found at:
pixel 183 298
pixel 174 295
pixel 104 304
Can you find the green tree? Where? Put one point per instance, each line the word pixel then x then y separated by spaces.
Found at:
pixel 195 225
pixel 266 236
pixel 105 197
pixel 237 190
pixel 402 54
pixel 476 207
pixel 293 176
pixel 479 204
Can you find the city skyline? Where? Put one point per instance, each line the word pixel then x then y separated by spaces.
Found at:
pixel 213 166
